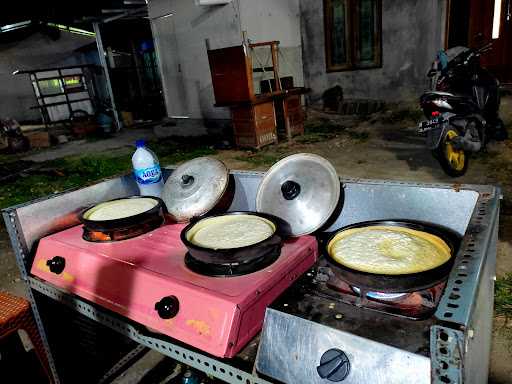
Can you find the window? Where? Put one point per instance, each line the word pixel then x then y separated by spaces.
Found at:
pixel 50 87
pixel 352 34
pixel 74 83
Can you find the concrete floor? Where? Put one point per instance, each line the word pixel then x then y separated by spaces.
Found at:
pixel 393 151
pixel 121 141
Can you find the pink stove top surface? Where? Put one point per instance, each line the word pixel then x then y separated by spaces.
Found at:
pixel 216 314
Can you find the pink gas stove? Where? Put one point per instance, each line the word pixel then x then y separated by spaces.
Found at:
pixel 147 280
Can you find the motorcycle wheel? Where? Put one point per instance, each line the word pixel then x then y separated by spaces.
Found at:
pixel 453 161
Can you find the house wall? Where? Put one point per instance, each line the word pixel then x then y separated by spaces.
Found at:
pixel 267 20
pixel 36 51
pixel 412 33
pixel 180 45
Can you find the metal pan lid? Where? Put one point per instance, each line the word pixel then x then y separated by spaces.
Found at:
pixel 302 189
pixel 195 187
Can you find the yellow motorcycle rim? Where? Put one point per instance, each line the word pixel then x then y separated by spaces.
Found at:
pixel 456 157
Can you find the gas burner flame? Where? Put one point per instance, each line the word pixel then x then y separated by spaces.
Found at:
pixel 381 295
pixel 97 236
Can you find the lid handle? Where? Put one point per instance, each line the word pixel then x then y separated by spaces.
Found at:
pixel 290 189
pixel 187 180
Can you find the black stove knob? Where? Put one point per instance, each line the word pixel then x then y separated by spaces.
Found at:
pixel 56 264
pixel 334 365
pixel 168 307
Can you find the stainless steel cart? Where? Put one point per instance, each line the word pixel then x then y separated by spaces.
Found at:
pixel 87 343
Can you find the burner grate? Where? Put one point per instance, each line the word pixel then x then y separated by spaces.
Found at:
pixel 413 305
pixel 105 236
pixel 231 269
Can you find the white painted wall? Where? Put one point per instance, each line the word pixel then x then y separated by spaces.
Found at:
pixel 266 20
pixel 180 42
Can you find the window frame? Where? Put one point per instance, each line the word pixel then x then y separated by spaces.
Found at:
pixel 351 38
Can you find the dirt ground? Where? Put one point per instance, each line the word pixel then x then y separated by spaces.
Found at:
pixel 375 150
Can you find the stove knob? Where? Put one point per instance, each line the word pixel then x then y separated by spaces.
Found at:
pixel 168 307
pixel 56 264
pixel 334 365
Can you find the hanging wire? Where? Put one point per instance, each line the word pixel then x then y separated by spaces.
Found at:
pixel 262 66
pixel 268 58
pixel 277 63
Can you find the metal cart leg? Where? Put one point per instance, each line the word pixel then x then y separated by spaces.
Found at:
pixel 20 252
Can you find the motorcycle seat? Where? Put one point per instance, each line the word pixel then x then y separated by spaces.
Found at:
pixel 445 95
pixel 439 93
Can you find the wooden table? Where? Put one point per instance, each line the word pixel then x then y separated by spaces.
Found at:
pixel 259 122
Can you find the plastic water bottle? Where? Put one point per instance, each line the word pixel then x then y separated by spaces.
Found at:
pixel 146 170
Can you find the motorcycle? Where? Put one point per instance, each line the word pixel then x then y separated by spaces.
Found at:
pixel 462 109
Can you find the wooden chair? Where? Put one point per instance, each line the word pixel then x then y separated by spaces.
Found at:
pixel 15 314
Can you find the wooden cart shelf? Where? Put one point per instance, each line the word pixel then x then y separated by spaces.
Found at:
pixel 258 120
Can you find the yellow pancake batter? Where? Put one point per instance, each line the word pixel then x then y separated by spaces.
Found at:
pixel 388 250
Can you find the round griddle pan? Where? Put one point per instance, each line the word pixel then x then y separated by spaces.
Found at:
pixel 155 213
pixel 244 254
pixel 396 283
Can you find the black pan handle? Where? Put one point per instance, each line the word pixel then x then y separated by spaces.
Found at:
pixel 187 180
pixel 290 189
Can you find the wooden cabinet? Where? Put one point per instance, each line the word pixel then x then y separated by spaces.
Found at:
pixel 254 124
pixel 293 116
pixel 231 70
pixel 254 116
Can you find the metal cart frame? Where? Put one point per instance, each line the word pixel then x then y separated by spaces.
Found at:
pixel 459 348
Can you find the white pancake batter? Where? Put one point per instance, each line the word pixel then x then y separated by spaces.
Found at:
pixel 230 231
pixel 119 209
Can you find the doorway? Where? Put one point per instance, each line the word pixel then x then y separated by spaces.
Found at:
pixel 133 68
pixel 477 22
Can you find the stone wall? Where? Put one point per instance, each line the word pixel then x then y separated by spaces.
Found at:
pixel 412 33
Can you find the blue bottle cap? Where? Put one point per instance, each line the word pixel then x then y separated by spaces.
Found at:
pixel 140 143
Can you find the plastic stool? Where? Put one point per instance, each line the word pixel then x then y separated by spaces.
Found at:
pixel 15 314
